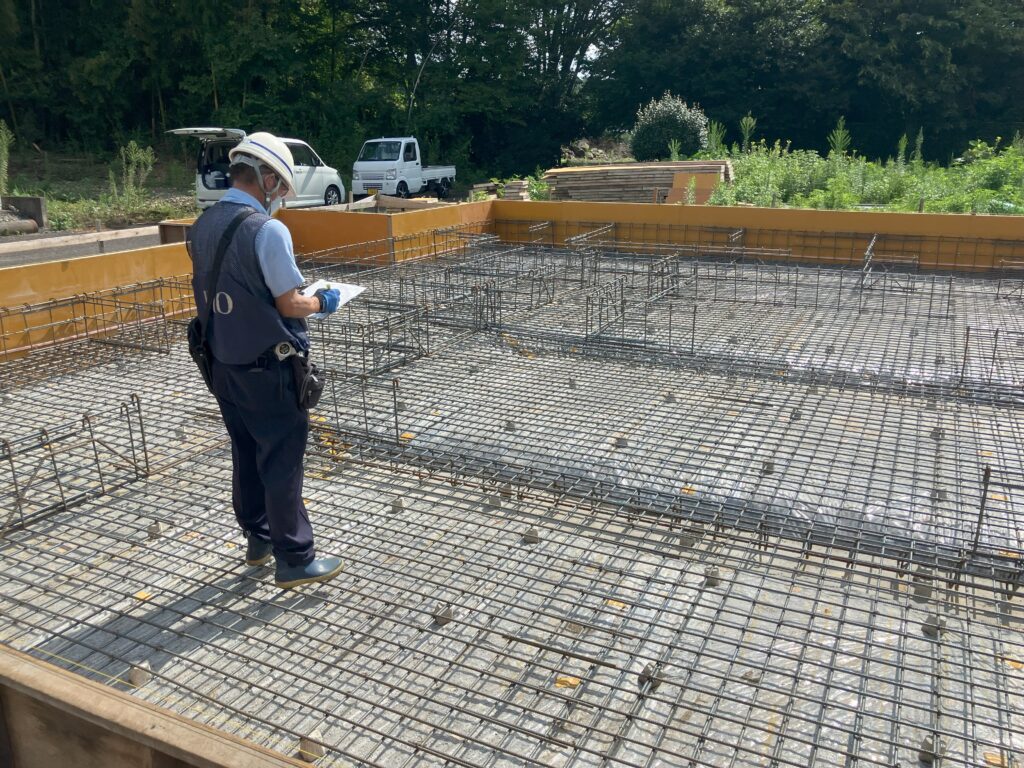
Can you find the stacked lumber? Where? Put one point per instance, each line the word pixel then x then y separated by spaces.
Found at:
pixel 517 189
pixel 635 182
pixel 487 187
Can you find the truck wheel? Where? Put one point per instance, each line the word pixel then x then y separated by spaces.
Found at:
pixel 402 190
pixel 332 196
pixel 444 189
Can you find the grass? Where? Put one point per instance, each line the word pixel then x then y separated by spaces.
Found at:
pixel 80 194
pixel 988 178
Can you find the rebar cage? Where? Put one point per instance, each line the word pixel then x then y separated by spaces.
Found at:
pixel 598 504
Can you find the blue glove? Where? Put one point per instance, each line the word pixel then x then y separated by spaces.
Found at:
pixel 330 298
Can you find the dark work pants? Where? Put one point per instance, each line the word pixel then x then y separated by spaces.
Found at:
pixel 268 442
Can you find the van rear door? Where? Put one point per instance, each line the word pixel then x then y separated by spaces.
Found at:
pixel 211 160
pixel 206 134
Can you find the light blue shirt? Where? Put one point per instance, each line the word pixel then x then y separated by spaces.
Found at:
pixel 273 248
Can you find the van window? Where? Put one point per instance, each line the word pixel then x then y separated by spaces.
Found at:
pixel 301 154
pixel 410 152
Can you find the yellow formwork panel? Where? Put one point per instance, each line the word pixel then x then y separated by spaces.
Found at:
pixel 36 283
pixel 935 241
pixel 314 230
pixel 421 233
pixel 131 309
pixel 415 222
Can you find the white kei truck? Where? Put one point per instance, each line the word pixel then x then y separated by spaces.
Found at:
pixel 393 166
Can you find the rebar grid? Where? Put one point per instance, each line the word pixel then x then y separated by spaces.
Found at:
pixel 574 533
pixel 543 659
pixel 898 250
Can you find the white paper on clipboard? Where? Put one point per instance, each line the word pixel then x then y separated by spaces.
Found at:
pixel 347 290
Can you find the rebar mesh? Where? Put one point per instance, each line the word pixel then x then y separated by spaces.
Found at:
pixel 597 506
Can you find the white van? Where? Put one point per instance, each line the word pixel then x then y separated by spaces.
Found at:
pixel 315 182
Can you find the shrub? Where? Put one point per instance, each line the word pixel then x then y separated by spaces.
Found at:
pixel 716 138
pixel 136 165
pixel 668 119
pixel 748 123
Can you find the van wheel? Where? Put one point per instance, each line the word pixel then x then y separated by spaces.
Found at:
pixel 402 190
pixel 332 196
pixel 444 189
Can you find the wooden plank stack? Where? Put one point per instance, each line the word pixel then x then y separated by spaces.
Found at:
pixel 516 189
pixel 637 182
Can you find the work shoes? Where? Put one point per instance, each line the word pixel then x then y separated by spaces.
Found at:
pixel 322 569
pixel 258 551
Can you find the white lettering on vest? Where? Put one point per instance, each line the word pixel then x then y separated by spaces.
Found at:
pixel 222 303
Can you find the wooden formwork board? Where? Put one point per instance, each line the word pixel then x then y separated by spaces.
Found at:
pixel 51 717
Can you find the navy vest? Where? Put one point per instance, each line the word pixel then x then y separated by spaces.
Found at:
pixel 244 322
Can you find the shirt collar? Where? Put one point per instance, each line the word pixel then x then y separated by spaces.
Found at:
pixel 238 197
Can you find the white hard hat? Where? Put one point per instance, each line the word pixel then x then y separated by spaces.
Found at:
pixel 271 152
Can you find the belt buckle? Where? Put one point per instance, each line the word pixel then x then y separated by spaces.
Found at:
pixel 284 350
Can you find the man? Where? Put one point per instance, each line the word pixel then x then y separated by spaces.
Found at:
pixel 256 322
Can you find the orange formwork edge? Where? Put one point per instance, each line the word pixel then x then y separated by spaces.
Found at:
pixel 35 283
pixel 942 240
pixel 409 234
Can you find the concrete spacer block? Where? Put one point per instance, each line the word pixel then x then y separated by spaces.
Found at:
pixel 397 505
pixel 922 582
pixel 311 747
pixel 712 575
pixel 572 383
pixel 140 674
pixel 532 536
pixel 510 426
pixel 649 676
pixel 620 442
pixel 155 529
pixel 670 397
pixel 442 615
pixel 933 626
pixel 930 750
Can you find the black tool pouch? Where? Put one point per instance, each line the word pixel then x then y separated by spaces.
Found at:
pixel 309 381
pixel 200 351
